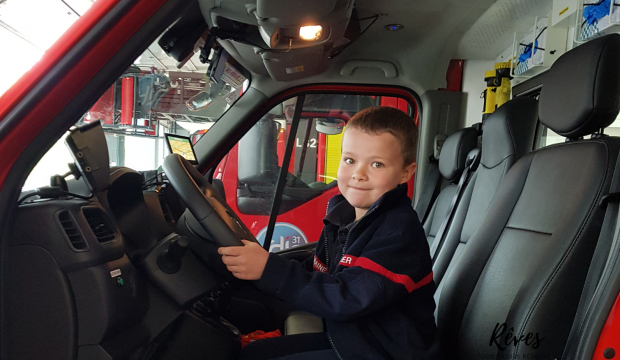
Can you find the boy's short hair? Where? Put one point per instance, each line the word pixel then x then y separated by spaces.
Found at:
pixel 380 119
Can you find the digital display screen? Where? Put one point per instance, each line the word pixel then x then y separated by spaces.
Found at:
pixel 182 145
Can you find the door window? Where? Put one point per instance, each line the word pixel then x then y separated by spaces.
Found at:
pixel 249 172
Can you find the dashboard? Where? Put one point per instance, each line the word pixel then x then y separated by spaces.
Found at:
pixel 108 269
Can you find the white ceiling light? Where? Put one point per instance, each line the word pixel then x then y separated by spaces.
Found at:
pixel 310 33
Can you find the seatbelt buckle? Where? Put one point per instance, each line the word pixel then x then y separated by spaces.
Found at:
pixel 613 197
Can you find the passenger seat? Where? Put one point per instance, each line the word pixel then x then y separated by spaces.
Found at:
pixel 514 291
pixel 507 135
pixel 452 162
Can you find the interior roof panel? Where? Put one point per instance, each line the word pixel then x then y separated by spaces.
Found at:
pixel 421 51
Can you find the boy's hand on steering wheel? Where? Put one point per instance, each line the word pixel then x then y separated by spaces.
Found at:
pixel 245 262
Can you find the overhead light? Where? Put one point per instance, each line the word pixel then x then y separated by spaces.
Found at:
pixel 310 33
pixel 393 27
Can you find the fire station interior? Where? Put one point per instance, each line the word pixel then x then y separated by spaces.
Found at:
pixel 116 263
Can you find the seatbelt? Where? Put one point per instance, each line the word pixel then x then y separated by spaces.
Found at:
pixel 603 260
pixel 432 182
pixel 439 237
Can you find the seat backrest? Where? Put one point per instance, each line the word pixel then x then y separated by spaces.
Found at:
pixel 507 135
pixel 451 164
pixel 514 291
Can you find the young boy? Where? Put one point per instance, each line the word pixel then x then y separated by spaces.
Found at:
pixel 371 276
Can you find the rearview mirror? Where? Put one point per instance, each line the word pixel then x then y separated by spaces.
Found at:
pixel 330 127
pixel 199 101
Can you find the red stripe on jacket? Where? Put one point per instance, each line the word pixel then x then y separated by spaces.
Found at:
pixel 318 265
pixel 368 264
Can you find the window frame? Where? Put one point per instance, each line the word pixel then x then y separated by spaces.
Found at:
pixel 207 168
pixel 412 99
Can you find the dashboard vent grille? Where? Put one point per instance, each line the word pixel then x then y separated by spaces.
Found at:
pixel 99 224
pixel 72 231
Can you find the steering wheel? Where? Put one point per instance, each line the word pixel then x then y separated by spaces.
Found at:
pixel 205 203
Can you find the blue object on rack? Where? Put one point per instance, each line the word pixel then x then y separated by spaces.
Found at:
pixel 595 12
pixel 528 52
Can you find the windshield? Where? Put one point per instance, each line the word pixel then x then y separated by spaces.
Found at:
pixel 152 98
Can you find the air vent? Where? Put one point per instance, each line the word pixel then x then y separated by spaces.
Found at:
pixel 99 223
pixel 72 231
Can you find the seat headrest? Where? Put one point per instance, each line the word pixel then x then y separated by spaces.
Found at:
pixel 510 130
pixel 454 153
pixel 581 91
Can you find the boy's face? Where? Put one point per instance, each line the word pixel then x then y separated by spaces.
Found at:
pixel 371 165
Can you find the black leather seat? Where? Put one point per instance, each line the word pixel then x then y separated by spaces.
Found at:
pixel 526 264
pixel 451 164
pixel 507 135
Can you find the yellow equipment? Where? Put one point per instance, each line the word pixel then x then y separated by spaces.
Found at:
pixel 333 150
pixel 498 87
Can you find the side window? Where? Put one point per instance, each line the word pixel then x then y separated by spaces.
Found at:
pixel 250 171
pixel 546 136
pixel 315 161
pixel 549 137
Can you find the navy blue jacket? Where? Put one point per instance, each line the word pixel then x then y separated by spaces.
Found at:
pixel 372 281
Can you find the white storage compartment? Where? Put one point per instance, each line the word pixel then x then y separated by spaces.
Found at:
pixel 541 46
pixel 603 25
pixel 540 41
pixel 524 46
